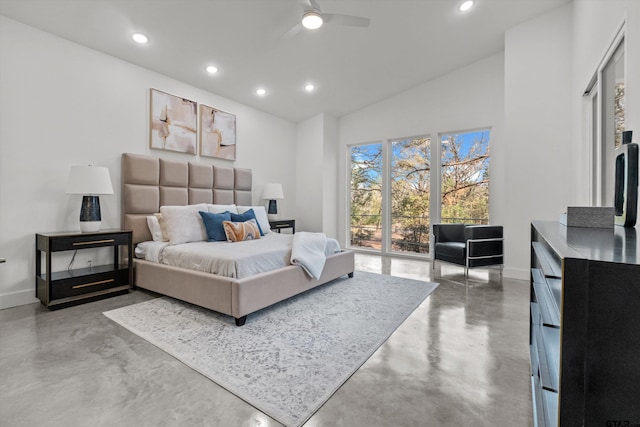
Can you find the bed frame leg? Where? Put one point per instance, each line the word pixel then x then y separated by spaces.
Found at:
pixel 241 320
pixel 350 275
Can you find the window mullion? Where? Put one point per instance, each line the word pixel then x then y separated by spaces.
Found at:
pixel 386 197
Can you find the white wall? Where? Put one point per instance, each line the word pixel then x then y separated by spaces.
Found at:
pixel 595 25
pixel 316 183
pixel 330 176
pixel 62 104
pixel 538 105
pixel 469 98
pixel 308 166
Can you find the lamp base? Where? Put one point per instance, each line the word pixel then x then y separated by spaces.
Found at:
pixel 272 211
pixel 90 226
pixel 90 218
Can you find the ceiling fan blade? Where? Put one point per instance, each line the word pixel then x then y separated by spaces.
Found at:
pixel 292 31
pixel 348 20
pixel 314 5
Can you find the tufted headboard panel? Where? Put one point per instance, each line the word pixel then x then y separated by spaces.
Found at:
pixel 149 182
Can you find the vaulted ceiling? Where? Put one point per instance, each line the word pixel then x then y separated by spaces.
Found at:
pixel 407 43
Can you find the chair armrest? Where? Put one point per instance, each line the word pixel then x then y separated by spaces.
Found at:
pixel 484 241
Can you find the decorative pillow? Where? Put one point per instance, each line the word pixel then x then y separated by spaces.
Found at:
pixel 222 208
pixel 246 216
pixel 213 224
pixel 163 226
pixel 184 223
pixel 155 228
pixel 241 231
pixel 261 217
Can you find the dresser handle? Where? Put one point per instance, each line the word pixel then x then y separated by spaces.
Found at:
pixel 92 284
pixel 93 242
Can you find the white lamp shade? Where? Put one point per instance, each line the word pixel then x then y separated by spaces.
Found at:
pixel 272 192
pixel 89 180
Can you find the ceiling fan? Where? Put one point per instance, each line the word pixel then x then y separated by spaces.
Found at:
pixel 313 18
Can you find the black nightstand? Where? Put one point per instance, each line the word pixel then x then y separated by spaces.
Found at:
pixel 68 287
pixel 279 224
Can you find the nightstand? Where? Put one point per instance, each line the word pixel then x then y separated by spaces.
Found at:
pixel 279 224
pixel 69 287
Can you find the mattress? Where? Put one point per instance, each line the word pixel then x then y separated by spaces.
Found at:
pixel 237 260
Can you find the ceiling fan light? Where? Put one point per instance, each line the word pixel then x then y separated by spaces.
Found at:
pixel 466 5
pixel 312 20
pixel 140 38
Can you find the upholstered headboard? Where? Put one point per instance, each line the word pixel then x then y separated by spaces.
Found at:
pixel 149 182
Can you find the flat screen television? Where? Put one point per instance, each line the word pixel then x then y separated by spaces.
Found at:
pixel 626 185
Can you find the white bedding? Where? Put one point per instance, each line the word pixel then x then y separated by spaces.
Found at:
pixel 237 260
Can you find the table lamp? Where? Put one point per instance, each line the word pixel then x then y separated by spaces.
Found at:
pixel 89 181
pixel 272 192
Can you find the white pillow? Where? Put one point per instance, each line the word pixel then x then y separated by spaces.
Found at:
pixel 222 208
pixel 155 228
pixel 261 216
pixel 184 224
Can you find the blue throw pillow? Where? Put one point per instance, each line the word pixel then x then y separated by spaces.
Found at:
pixel 213 224
pixel 246 216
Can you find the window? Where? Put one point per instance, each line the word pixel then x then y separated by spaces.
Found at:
pixel 392 182
pixel 410 194
pixel 605 108
pixel 366 196
pixel 465 178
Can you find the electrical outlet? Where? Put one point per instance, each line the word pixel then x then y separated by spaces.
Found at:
pixel 90 262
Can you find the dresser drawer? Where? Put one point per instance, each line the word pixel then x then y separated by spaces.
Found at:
pixel 89 241
pixel 88 283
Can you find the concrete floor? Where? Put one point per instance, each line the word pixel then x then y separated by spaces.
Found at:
pixel 461 359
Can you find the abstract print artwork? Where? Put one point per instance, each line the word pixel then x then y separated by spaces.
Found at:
pixel 173 123
pixel 217 133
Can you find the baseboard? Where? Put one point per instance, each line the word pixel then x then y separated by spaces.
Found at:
pixel 15 299
pixel 516 273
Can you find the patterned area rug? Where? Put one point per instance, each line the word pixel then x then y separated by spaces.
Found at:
pixel 288 359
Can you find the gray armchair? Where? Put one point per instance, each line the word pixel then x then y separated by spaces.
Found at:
pixel 468 245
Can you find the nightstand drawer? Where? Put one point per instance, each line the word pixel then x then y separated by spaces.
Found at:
pixel 88 241
pixel 89 283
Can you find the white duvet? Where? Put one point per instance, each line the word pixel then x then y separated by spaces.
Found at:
pixel 236 260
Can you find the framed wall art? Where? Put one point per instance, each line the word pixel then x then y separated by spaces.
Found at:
pixel 217 133
pixel 173 123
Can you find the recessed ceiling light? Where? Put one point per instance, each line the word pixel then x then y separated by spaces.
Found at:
pixel 140 38
pixel 312 20
pixel 309 87
pixel 466 5
pixel 212 69
pixel 261 92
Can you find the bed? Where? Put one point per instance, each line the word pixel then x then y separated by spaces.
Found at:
pixel 149 182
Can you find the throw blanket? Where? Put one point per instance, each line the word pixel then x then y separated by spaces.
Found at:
pixel 307 251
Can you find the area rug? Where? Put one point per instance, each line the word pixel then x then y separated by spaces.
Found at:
pixel 288 359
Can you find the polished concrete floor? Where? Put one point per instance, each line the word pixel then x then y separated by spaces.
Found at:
pixel 461 359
